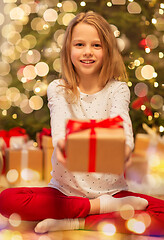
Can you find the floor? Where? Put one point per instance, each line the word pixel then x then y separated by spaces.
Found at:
pixel 24 231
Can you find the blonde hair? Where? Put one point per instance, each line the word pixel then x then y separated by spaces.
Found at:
pixel 113 65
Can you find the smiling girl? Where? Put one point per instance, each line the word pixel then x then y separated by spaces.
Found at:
pixel 92 87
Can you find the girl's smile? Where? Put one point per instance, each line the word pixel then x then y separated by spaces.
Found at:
pixel 86 51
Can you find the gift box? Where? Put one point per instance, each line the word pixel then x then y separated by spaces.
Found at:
pixel 47 154
pixel 24 165
pixel 95 146
pixel 13 138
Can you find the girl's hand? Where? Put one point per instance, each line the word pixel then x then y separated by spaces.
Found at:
pixel 128 152
pixel 60 149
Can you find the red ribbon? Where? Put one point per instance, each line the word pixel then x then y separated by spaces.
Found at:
pixel 44 132
pixel 6 135
pixel 74 126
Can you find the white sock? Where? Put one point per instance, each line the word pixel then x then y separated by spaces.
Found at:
pixel 49 225
pixel 111 204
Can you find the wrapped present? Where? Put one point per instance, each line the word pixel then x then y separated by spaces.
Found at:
pixel 15 137
pixel 39 136
pixel 24 165
pixel 95 146
pixel 47 153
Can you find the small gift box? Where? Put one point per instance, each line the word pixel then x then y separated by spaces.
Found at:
pixel 13 138
pixel 47 153
pixel 95 146
pixel 24 165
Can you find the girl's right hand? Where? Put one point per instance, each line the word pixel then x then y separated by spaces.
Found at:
pixel 60 149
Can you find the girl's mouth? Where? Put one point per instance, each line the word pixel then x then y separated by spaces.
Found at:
pixel 87 61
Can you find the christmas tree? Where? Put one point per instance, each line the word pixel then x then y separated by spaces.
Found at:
pixel 31 40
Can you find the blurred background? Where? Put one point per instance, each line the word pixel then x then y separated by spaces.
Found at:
pixel 31 33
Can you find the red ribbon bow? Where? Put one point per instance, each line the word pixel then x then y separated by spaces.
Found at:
pixel 77 126
pixel 6 135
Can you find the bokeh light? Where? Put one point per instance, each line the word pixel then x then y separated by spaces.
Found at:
pixel 57 65
pixel 136 226
pixel 147 71
pixel 15 219
pixel 4 68
pixel 29 72
pixel 152 41
pixel 12 175
pixel 17 13
pixel 28 174
pixel 50 15
pixel 36 102
pixel 42 69
pixel 141 89
pixel 127 211
pixel 67 18
pixel 134 8
pixel 156 102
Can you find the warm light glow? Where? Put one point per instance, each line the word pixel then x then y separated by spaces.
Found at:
pixel 28 174
pixel 154 21
pixel 59 5
pixel 156 115
pixel 136 226
pixel 162 5
pixel 29 72
pixel 12 175
pixel 42 69
pixel 161 129
pixel 156 84
pixel 134 8
pixel 130 84
pixel 147 50
pixel 141 89
pixel 17 13
pixel 15 219
pixel 83 4
pixel 109 229
pixel 109 4
pixel 36 102
pixel 50 15
pixel 143 107
pixel 161 55
pixel 150 118
pixel 126 211
pixel 147 71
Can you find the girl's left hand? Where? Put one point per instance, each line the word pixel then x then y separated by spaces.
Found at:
pixel 128 152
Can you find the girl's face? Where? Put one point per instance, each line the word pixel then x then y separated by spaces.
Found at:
pixel 86 51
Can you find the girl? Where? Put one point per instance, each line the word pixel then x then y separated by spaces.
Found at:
pixel 90 88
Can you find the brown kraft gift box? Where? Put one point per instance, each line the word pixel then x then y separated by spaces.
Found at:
pixel 14 160
pixel 47 153
pixel 110 150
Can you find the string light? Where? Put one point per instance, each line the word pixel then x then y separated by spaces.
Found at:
pixel 109 4
pixel 154 21
pixel 150 118
pixel 156 84
pixel 83 4
pixel 161 129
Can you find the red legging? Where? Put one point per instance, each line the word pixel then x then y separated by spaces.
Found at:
pixel 36 204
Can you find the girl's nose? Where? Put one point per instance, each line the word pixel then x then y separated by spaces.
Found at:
pixel 88 51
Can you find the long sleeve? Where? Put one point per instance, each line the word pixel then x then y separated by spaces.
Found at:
pixel 120 106
pixel 58 111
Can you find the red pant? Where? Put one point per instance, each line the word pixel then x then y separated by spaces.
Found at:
pixel 155 210
pixel 34 204
pixel 39 203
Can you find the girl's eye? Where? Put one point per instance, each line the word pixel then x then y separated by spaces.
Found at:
pixel 97 45
pixel 79 44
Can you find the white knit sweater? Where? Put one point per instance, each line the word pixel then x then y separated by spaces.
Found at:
pixel 111 101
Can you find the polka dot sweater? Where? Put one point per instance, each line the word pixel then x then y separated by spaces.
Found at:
pixel 111 101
